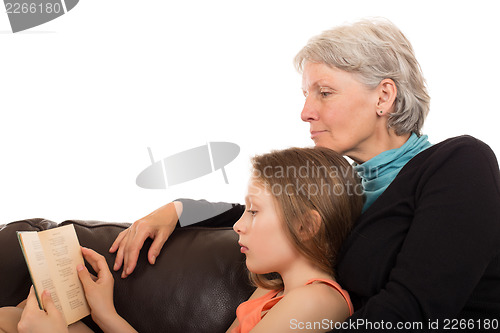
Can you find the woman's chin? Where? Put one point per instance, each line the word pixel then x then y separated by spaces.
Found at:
pixel 329 145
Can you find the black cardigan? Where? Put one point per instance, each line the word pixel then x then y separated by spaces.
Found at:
pixel 428 249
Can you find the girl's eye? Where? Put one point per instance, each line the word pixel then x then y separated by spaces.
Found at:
pixel 252 212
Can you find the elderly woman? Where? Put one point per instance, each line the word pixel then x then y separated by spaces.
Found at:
pixel 425 252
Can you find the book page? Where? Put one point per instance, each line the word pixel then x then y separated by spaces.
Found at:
pixel 37 266
pixel 63 254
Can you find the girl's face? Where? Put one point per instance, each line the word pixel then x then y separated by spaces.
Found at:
pixel 341 111
pixel 262 236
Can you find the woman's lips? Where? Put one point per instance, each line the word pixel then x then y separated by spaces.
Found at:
pixel 316 133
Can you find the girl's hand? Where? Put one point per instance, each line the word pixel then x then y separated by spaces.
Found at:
pixel 34 320
pixel 98 291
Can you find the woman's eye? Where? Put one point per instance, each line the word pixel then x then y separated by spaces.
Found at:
pixel 252 212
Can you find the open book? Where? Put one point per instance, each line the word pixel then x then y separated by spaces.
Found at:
pixel 52 256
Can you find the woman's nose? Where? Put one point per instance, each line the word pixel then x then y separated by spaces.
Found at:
pixel 308 113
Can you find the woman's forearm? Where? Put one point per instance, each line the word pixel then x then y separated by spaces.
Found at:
pixel 209 214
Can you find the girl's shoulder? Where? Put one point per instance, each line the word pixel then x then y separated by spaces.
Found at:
pixel 303 307
pixel 321 297
pixel 317 302
pixel 321 292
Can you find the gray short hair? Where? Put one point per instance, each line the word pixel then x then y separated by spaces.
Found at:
pixel 375 50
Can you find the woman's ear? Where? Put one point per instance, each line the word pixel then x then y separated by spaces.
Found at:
pixel 387 92
pixel 311 225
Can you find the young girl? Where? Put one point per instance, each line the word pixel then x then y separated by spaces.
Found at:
pixel 300 206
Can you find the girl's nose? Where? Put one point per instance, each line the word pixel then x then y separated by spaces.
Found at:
pixel 239 226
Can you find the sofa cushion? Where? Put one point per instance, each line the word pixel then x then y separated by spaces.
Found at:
pixel 195 286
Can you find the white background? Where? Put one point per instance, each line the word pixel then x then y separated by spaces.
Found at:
pixel 83 96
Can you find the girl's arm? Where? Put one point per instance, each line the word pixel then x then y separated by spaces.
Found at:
pixel 235 324
pixel 311 308
pixel 256 294
pixel 99 294
pixel 114 324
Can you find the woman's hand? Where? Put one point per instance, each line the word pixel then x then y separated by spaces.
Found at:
pixel 99 292
pixel 34 320
pixel 158 226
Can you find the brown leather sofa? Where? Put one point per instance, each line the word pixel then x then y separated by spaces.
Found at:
pixel 195 286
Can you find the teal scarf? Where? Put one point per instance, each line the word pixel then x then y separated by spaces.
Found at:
pixel 379 172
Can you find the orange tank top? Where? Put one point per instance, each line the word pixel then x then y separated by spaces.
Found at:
pixel 249 313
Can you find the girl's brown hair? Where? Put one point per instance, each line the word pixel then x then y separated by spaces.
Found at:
pixel 303 180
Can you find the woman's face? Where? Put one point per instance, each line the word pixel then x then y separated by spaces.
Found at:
pixel 262 236
pixel 341 111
